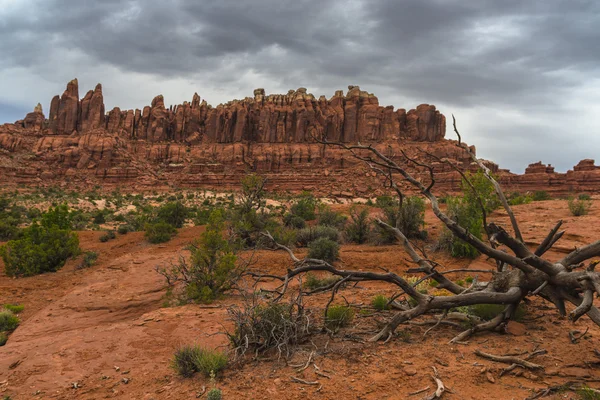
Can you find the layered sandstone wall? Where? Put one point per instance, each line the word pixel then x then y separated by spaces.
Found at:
pixel 296 117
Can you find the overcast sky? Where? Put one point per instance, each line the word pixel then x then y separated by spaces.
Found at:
pixel 522 77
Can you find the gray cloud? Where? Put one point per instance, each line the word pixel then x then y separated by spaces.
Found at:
pixel 520 76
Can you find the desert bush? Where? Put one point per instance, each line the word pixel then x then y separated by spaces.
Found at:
pixel 310 234
pixel 338 316
pixel 14 308
pixel 123 229
pixel 260 327
pixel 285 236
pixel 305 207
pixel 358 229
pixel 3 340
pixel 294 221
pixel 485 191
pixel 409 219
pixel 380 302
pixel 541 195
pixel 385 201
pixel 159 232
pixel 517 198
pixel 8 321
pixel 98 217
pixel 58 216
pixel 184 360
pixel 324 249
pixel 470 217
pixel 8 229
pixel 89 259
pixel 202 216
pixel 588 393
pixel 579 207
pixel 313 282
pixel 584 196
pixel 39 249
pixel 252 192
pixel 328 217
pixel 209 361
pixel 108 235
pixel 212 268
pixel 174 213
pixel 214 394
pixel 249 226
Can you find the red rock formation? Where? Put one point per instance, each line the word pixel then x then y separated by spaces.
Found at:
pixel 92 110
pixel 194 144
pixel 68 116
pixel 35 119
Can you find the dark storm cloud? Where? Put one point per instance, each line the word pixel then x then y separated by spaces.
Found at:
pixel 526 59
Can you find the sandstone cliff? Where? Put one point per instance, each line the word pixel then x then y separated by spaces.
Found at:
pixel 196 145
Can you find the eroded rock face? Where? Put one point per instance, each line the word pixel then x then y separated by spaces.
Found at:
pixel 194 144
pixel 295 117
pixel 35 120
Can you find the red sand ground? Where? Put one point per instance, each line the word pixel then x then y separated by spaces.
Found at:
pixel 79 325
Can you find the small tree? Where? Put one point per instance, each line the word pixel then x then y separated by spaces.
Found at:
pixel 174 213
pixel 358 228
pixel 39 249
pixel 212 268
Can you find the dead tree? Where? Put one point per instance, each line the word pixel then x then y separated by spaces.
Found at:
pixel 522 272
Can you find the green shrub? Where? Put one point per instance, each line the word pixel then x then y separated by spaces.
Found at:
pixel 584 196
pixel 108 235
pixel 3 340
pixel 294 221
pixel 324 249
pixel 58 217
pixel 485 191
pixel 469 216
pixel 313 282
pixel 587 393
pixel 385 202
pixel 214 394
pixel 516 199
pixel 358 229
pixel 409 219
pixel 285 236
pixel 159 232
pixel 8 320
pixel 380 302
pixel 209 361
pixel 184 360
pixel 123 229
pixel 579 207
pixel 310 234
pixel 174 213
pixel 39 249
pixel 541 195
pixel 338 316
pixel 305 207
pixel 328 217
pixel 98 217
pixel 202 216
pixel 8 229
pixel 212 268
pixel 89 259
pixel 14 308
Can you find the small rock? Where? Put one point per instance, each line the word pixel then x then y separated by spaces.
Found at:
pixel 125 380
pixel 410 371
pixel 489 377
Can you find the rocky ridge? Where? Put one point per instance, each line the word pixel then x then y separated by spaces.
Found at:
pixel 196 145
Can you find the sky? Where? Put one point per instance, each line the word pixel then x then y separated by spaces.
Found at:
pixel 521 77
